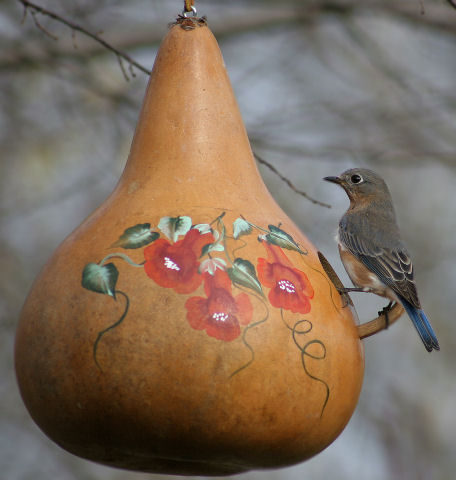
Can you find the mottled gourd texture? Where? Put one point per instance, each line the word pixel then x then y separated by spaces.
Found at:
pixel 187 326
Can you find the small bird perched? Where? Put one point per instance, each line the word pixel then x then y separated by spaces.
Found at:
pixel 372 251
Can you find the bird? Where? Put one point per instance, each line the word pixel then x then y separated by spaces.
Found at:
pixel 372 251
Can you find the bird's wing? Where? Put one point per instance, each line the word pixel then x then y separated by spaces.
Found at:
pixel 392 265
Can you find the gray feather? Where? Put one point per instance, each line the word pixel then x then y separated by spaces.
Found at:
pixel 377 243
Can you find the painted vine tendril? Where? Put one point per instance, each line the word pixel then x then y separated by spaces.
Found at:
pixel 208 258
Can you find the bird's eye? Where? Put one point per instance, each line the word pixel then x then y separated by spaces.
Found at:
pixel 356 178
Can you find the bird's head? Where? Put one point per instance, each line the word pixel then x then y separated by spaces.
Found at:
pixel 361 184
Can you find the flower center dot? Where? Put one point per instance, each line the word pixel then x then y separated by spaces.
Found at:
pixel 170 264
pixel 220 317
pixel 287 286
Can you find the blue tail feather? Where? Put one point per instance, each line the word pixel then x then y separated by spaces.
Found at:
pixel 422 326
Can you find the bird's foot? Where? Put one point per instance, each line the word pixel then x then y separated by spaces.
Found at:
pixel 385 311
pixel 346 300
pixel 343 292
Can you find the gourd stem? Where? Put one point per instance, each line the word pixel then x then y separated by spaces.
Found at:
pixel 189 6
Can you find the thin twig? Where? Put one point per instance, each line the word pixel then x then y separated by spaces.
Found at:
pixel 73 38
pixel 40 27
pixel 75 27
pixel 288 182
pixel 121 65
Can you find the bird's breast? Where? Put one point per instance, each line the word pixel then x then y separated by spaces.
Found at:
pixel 361 276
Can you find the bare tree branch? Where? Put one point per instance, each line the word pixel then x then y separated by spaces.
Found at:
pixel 288 182
pixel 75 27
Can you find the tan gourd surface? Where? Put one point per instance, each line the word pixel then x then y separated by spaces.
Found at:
pixel 166 395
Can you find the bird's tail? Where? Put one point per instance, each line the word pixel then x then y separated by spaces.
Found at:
pixel 422 326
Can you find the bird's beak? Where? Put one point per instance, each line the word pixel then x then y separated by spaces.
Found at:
pixel 337 180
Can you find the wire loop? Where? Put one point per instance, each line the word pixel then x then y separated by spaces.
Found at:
pixel 189 7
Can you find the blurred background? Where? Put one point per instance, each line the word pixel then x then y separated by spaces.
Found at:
pixel 323 85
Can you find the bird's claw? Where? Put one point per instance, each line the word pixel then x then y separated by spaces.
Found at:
pixel 346 300
pixel 385 311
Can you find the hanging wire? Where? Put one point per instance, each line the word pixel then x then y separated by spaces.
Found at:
pixel 189 7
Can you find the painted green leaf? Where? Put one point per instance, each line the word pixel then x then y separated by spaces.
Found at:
pixel 211 247
pixel 241 227
pixel 100 279
pixel 203 228
pixel 136 237
pixel 216 246
pixel 243 273
pixel 210 265
pixel 172 227
pixel 278 237
pixel 206 249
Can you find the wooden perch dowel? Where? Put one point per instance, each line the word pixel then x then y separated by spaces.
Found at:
pixel 374 326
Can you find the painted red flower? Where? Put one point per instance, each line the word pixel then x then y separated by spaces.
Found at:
pixel 290 288
pixel 176 265
pixel 220 314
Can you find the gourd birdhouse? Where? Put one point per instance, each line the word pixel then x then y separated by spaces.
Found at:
pixel 187 326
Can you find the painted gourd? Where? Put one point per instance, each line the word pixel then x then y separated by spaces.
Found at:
pixel 187 326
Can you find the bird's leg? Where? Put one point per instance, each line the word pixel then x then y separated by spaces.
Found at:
pixel 385 311
pixel 343 292
pixel 355 289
